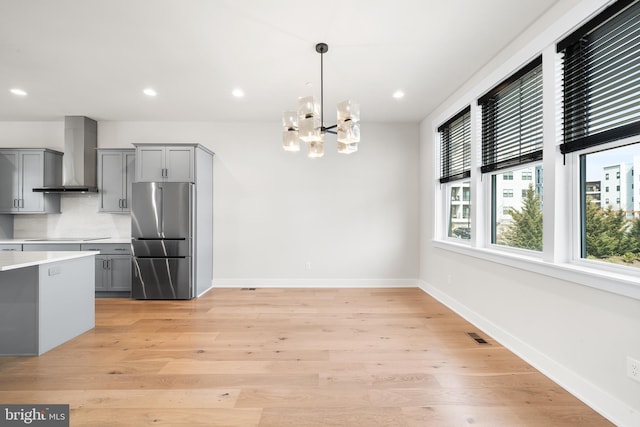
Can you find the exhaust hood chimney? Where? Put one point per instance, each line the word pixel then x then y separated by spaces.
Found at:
pixel 80 157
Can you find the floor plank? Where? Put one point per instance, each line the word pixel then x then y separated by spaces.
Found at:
pixel 289 357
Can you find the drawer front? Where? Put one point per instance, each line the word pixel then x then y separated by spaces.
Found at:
pixel 51 247
pixel 108 248
pixel 10 247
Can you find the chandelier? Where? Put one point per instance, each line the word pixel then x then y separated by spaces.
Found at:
pixel 307 123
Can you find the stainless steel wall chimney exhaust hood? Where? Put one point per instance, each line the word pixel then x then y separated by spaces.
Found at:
pixel 80 157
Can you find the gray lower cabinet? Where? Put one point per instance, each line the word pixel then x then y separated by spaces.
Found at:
pixel 113 263
pixel 113 268
pixel 116 172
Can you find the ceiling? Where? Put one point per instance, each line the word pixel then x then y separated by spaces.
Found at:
pixel 95 57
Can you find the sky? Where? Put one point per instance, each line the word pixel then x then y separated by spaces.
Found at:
pixel 596 161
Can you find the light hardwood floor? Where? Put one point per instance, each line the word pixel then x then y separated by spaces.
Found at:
pixel 289 357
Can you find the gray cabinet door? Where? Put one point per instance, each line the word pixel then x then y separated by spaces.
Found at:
pixel 129 178
pixel 150 164
pixel 179 164
pixel 31 176
pixel 120 273
pixel 110 181
pixel 9 163
pixel 102 273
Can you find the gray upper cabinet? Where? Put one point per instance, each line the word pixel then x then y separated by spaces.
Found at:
pixel 22 170
pixel 116 172
pixel 169 163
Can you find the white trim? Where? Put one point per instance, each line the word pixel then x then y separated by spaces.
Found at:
pixel 609 407
pixel 206 290
pixel 315 283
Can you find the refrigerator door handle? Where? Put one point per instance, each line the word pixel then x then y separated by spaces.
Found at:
pixel 161 211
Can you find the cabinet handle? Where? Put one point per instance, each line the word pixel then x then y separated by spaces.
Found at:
pixel 21 203
pixel 124 203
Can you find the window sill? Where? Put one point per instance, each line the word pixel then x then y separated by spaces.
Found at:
pixel 622 284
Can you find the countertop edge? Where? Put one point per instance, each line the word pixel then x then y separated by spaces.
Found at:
pixel 53 241
pixel 16 260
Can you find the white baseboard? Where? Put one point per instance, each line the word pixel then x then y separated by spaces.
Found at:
pixel 608 406
pixel 315 283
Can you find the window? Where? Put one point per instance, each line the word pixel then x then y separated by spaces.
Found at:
pixel 610 234
pixel 520 224
pixel 601 106
pixel 455 168
pixel 594 225
pixel 511 139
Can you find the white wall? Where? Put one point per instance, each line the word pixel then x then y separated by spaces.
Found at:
pixel 577 335
pixel 354 218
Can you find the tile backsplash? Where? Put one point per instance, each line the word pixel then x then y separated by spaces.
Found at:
pixel 79 218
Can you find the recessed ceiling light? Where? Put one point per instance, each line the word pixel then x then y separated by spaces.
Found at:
pixel 238 93
pixel 18 92
pixel 150 92
pixel 398 94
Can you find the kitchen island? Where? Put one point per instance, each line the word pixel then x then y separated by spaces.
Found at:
pixel 46 299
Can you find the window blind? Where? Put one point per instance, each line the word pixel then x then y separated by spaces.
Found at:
pixel 512 120
pixel 455 147
pixel 601 78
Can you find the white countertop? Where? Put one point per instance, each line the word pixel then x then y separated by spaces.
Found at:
pixel 11 260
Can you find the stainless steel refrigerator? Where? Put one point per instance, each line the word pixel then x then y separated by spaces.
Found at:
pixel 162 223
